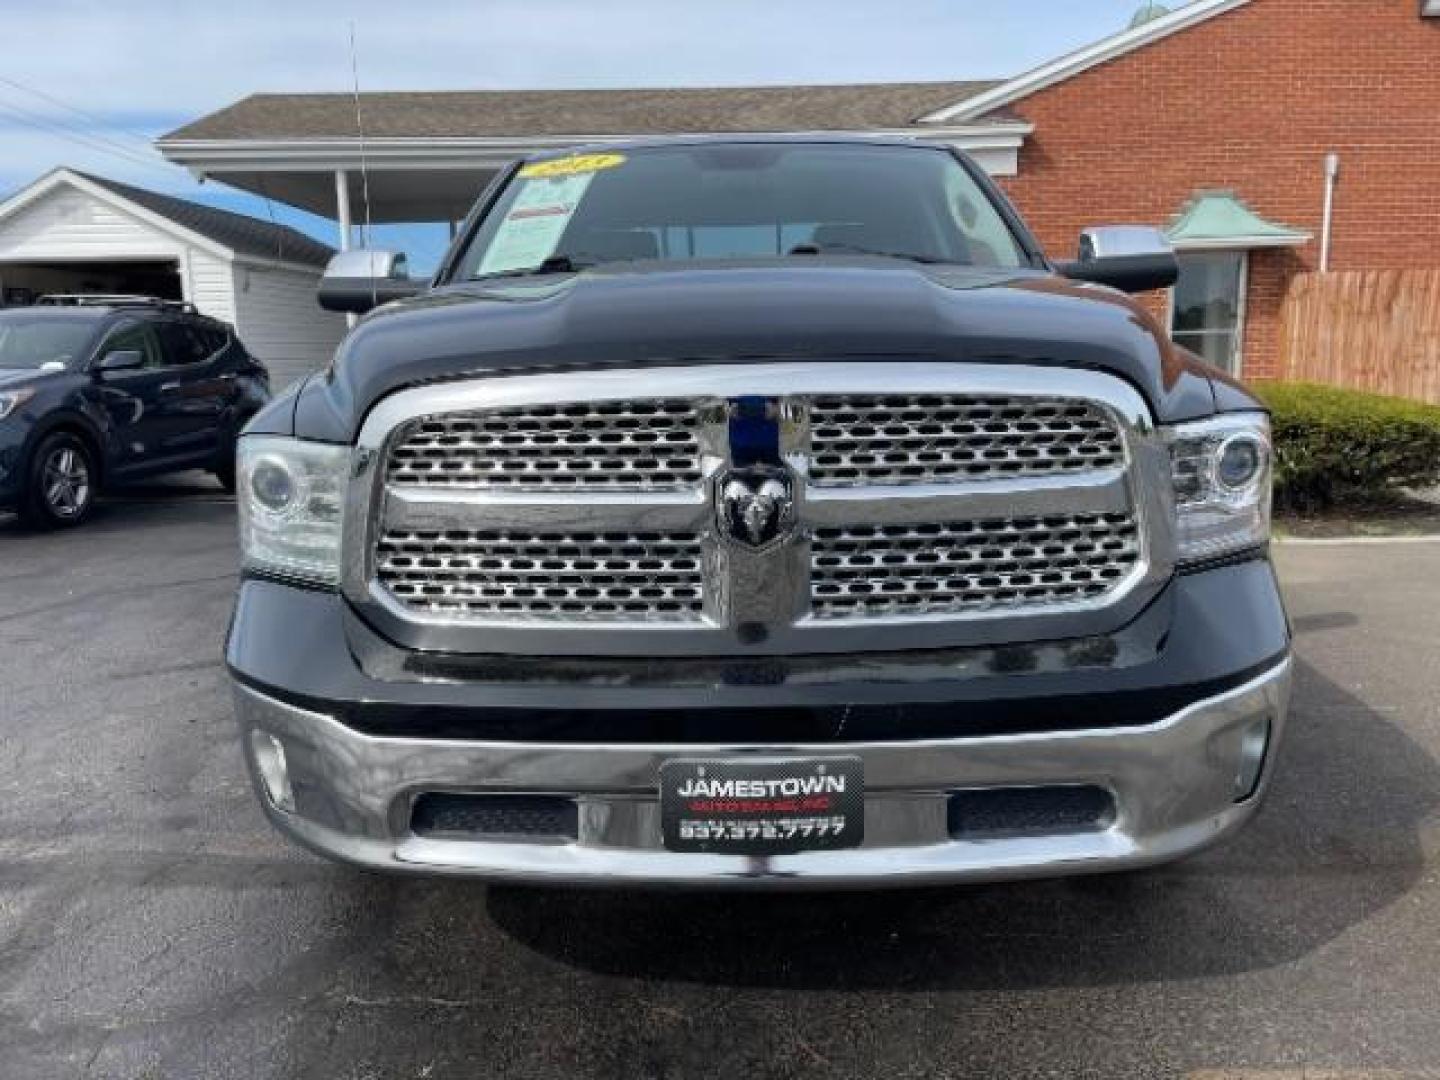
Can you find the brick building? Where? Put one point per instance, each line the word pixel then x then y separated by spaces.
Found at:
pixel 1214 121
pixel 1244 96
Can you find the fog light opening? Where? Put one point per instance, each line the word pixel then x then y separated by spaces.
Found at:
pixel 270 763
pixel 1254 742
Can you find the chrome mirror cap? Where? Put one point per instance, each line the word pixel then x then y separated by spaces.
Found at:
pixel 357 281
pixel 368 263
pixel 1122 241
pixel 1131 258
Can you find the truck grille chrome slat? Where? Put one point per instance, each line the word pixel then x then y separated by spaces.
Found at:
pixel 898 570
pixel 924 438
pixel 640 445
pixel 575 577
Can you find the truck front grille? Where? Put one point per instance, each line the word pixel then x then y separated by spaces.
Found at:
pixel 713 510
pixel 575 577
pixel 640 445
pixel 969 566
pixel 921 439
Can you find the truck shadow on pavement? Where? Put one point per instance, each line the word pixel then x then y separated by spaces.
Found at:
pixel 1337 841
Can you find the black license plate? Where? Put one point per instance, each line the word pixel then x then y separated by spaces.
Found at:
pixel 762 806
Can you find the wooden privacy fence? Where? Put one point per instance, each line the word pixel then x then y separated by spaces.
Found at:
pixel 1375 330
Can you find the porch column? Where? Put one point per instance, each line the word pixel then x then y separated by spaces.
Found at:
pixel 342 207
pixel 342 214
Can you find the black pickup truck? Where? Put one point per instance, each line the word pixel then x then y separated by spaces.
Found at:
pixel 763 511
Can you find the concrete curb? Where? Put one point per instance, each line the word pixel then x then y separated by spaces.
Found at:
pixel 1338 541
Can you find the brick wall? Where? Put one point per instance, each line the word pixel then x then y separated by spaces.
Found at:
pixel 1252 100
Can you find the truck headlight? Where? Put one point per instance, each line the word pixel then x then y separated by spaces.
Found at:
pixel 291 495
pixel 1221 471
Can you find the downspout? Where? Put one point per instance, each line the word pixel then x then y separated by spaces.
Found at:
pixel 1332 177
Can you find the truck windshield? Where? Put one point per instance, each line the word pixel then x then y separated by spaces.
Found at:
pixel 32 341
pixel 740 201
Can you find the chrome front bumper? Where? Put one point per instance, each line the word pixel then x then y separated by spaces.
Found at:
pixel 1173 784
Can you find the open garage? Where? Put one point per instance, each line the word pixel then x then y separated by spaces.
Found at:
pixel 22 282
pixel 71 232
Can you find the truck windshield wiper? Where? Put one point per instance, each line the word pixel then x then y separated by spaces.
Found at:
pixel 555 264
pixel 851 249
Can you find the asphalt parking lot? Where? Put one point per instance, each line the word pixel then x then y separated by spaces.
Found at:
pixel 151 924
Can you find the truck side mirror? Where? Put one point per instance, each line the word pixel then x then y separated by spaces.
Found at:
pixel 357 281
pixel 121 360
pixel 1131 258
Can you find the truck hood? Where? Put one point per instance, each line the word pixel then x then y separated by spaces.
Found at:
pixel 866 308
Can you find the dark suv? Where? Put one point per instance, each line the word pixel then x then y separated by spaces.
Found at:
pixel 97 390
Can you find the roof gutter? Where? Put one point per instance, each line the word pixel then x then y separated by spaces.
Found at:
pixel 1074 63
pixel 1241 243
pixel 323 154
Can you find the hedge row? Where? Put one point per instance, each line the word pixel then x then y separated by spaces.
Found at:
pixel 1336 448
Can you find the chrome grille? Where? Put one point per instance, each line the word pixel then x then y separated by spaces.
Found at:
pixel 969 566
pixel 920 439
pixel 534 576
pixel 945 504
pixel 641 445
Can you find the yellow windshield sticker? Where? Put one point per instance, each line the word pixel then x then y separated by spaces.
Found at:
pixel 572 166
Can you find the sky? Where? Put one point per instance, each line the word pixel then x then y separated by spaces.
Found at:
pixel 90 84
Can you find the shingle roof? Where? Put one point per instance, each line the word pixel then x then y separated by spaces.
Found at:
pixel 459 114
pixel 241 233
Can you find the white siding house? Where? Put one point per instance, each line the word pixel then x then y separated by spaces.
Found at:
pixel 70 232
pixel 283 325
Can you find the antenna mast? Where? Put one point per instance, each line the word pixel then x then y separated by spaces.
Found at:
pixel 360 130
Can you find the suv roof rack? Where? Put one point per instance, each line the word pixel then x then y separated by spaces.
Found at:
pixel 113 300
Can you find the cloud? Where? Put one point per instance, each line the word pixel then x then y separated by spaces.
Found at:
pixel 187 58
pixel 141 68
pixel 30 151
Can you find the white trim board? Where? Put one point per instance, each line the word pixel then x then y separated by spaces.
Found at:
pixel 1074 63
pixel 1244 243
pixel 63 177
pixel 324 154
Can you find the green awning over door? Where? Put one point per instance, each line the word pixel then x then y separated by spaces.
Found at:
pixel 1220 219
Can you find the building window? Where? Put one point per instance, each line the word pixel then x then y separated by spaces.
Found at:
pixel 1208 306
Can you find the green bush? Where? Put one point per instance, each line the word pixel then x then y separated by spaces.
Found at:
pixel 1336 448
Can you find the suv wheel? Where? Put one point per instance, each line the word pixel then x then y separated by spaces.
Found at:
pixel 224 469
pixel 62 482
pixel 225 473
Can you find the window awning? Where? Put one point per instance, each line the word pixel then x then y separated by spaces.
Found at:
pixel 1220 219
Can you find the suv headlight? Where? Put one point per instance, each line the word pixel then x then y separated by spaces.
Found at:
pixel 11 400
pixel 1221 471
pixel 291 495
